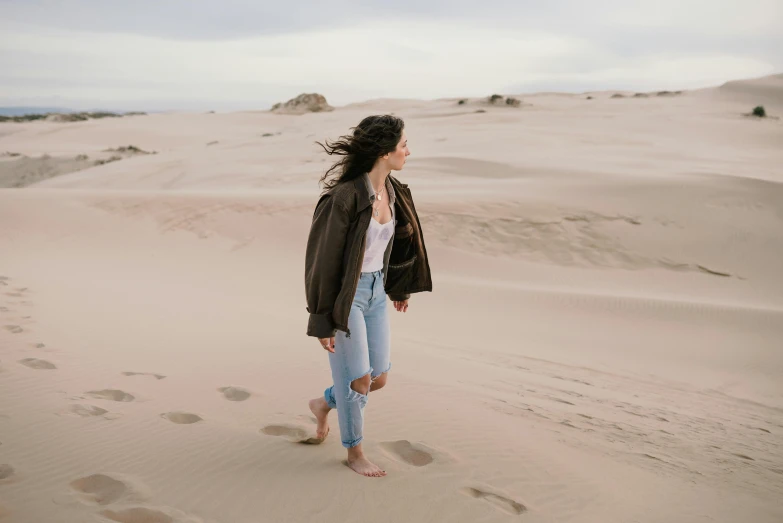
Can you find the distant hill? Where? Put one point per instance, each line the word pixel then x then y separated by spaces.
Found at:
pixel 767 90
pixel 21 111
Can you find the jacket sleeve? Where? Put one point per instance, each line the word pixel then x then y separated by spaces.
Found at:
pixel 324 264
pixel 399 297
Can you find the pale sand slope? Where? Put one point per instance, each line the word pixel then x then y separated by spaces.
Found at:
pixel 603 342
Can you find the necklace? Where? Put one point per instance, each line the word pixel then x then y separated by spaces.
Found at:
pixel 378 197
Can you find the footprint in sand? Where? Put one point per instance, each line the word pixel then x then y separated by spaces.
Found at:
pixel 137 515
pixel 104 489
pixel 35 363
pixel 503 503
pixel 7 472
pixel 14 329
pixel 110 394
pixel 99 488
pixel 291 433
pixel 156 376
pixel 417 454
pixel 234 393
pixel 182 418
pixel 87 411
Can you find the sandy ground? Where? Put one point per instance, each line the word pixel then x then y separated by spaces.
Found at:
pixel 602 343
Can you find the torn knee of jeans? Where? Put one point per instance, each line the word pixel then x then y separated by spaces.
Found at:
pixel 363 374
pixel 375 376
pixel 354 391
pixel 358 397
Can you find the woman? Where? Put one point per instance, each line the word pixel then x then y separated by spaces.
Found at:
pixel 365 242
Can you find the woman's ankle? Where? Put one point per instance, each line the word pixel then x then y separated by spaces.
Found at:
pixel 355 452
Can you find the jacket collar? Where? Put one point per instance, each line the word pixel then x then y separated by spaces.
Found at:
pixel 364 186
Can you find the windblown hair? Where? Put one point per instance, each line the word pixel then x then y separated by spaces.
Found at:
pixel 371 139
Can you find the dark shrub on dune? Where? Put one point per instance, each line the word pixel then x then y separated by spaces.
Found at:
pixel 129 149
pixel 498 99
pixel 108 160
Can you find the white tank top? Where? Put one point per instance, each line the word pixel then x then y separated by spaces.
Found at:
pixel 378 236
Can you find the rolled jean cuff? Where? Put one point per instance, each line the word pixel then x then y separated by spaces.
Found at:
pixel 329 397
pixel 353 443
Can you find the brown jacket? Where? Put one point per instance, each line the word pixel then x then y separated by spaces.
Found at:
pixel 335 252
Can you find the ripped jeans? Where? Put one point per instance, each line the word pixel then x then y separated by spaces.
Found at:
pixel 365 352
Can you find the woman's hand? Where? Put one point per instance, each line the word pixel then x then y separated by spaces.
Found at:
pixel 327 343
pixel 401 306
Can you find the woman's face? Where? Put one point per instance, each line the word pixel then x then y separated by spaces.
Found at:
pixel 397 157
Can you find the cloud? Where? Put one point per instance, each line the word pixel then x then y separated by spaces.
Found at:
pixel 199 54
pixel 232 19
pixel 169 19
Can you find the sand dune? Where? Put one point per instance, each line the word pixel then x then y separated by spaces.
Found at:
pixel 767 90
pixel 602 343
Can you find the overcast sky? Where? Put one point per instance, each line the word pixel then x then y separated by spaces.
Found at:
pixel 248 54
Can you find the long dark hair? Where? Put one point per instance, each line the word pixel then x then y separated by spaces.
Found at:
pixel 374 136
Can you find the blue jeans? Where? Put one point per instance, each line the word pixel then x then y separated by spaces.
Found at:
pixel 365 352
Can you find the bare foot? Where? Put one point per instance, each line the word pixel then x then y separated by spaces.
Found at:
pixel 365 467
pixel 320 409
pixel 362 465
